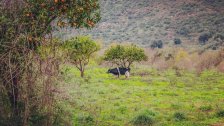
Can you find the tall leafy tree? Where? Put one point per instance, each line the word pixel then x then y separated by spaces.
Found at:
pixel 26 25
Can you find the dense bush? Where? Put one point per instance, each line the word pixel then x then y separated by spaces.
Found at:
pixel 220 113
pixel 178 116
pixel 157 44
pixel 143 120
pixel 146 118
pixel 203 38
pixel 177 41
pixel 209 59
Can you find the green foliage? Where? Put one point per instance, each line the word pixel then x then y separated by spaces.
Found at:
pixel 37 119
pixel 115 53
pixel 205 108
pixel 80 49
pixel 33 19
pixel 220 113
pixel 125 55
pixel 178 116
pixel 84 120
pixel 145 118
pixel 53 49
pixel 149 112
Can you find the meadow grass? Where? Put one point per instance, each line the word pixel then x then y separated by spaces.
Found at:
pixel 102 99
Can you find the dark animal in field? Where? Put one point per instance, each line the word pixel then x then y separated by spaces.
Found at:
pixel 120 71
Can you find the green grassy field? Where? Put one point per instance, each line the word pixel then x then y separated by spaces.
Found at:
pixel 102 99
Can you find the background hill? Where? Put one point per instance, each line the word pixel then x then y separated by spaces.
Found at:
pixel 193 22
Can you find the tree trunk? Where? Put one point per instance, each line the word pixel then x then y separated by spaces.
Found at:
pixel 82 73
pixel 14 95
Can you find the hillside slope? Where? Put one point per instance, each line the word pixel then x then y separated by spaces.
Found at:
pixel 146 21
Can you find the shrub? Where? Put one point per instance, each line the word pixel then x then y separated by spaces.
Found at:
pixel 145 118
pixel 37 119
pixel 178 116
pixel 157 44
pixel 220 113
pixel 208 60
pixel 203 38
pixel 177 41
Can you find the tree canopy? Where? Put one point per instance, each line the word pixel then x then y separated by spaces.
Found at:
pixel 36 18
pixel 125 55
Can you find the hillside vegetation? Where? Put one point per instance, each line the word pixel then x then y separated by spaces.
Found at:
pixel 143 22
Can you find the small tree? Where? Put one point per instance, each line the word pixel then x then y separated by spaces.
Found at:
pixel 80 49
pixel 125 55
